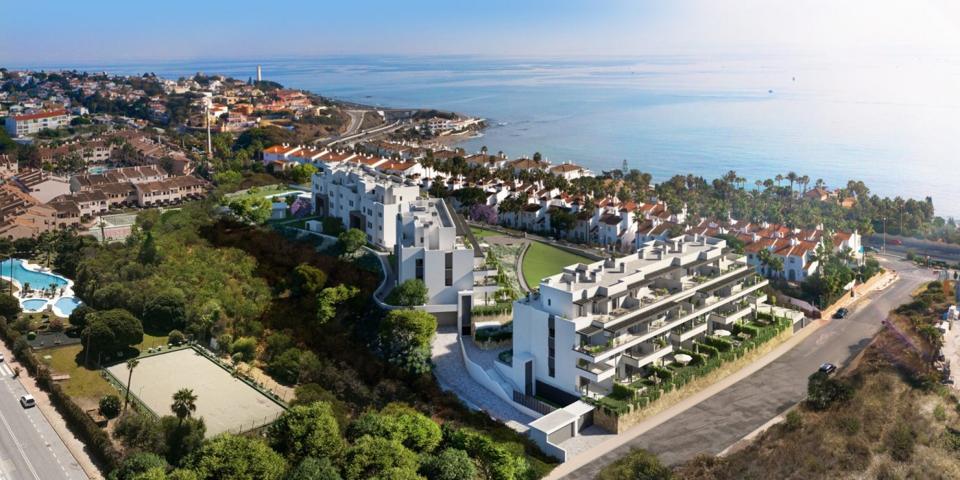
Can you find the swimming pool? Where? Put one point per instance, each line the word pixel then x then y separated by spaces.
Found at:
pixel 64 306
pixel 37 280
pixel 34 304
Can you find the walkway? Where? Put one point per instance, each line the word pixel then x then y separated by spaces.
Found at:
pixel 452 375
pixel 720 416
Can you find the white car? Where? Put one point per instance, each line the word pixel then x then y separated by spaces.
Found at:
pixel 1 357
pixel 27 401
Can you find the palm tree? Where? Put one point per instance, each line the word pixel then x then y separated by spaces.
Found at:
pixel 792 176
pixel 184 403
pixel 131 364
pixel 779 179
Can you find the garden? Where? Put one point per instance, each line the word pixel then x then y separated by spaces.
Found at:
pixel 542 260
pixel 707 355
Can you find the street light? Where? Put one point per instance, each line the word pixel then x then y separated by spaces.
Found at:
pixel 884 234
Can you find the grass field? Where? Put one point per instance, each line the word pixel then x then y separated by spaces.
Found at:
pixel 260 192
pixel 482 232
pixel 542 260
pixel 84 383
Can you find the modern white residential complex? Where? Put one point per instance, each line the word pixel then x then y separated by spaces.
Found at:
pixel 364 198
pixel 429 248
pixel 605 322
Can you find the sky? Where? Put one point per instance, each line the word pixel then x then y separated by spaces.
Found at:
pixel 47 32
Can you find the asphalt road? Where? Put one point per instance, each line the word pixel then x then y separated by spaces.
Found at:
pixel 29 447
pixel 723 419
pixel 937 251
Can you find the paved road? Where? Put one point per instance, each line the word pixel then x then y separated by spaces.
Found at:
pixel 723 419
pixel 937 251
pixel 29 447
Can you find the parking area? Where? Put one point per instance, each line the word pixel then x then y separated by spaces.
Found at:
pixel 226 404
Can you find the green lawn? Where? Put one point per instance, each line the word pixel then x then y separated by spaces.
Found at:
pixel 482 232
pixel 84 383
pixel 542 260
pixel 259 192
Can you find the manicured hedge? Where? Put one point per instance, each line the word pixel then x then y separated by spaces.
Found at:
pixel 96 439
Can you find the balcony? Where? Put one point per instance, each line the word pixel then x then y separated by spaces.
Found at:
pixel 689 330
pixel 596 372
pixel 642 360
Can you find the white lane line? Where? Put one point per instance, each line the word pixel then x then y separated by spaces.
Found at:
pixel 23 454
pixel 5 369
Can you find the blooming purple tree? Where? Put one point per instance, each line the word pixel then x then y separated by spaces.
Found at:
pixel 483 213
pixel 300 208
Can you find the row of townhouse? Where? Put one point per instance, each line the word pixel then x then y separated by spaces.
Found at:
pixel 795 247
pixel 96 150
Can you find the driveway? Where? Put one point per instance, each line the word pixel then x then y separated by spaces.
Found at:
pixel 723 419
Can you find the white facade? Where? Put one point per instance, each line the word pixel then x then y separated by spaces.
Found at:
pixel 605 322
pixel 428 248
pixel 29 124
pixel 365 199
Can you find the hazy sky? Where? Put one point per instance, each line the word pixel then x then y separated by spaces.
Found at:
pixel 51 31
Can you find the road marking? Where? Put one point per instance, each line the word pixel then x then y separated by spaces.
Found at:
pixel 5 369
pixel 6 424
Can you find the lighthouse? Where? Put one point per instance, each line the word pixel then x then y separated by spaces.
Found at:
pixel 259 74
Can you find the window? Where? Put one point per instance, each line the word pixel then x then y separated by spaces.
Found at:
pixel 548 302
pixel 419 268
pixel 447 268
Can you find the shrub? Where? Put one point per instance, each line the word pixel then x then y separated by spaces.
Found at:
pixel 794 420
pixel 901 441
pixel 721 344
pixel 638 464
pixel 176 337
pixel 823 391
pixel 849 424
pixel 409 293
pixel 246 347
pixel 110 406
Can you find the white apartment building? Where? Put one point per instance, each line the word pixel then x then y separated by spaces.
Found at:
pixel 32 123
pixel 364 198
pixel 597 324
pixel 429 248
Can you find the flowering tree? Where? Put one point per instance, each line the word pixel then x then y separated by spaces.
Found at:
pixel 483 213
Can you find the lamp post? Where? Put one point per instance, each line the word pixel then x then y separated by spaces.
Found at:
pixel 884 234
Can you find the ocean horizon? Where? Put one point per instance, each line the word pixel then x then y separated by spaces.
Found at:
pixel 889 120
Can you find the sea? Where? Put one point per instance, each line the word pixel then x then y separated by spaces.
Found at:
pixel 891 120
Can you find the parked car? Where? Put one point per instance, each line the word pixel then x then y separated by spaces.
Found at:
pixel 841 313
pixel 27 401
pixel 1 357
pixel 896 241
pixel 828 368
pixel 871 249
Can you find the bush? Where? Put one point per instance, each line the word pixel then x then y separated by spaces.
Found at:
pixel 409 293
pixel 823 391
pixel 638 464
pixel 110 406
pixel 176 337
pixel 901 441
pixel 246 347
pixel 794 420
pixel 721 344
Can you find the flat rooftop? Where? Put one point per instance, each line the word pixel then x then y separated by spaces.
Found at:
pixel 654 256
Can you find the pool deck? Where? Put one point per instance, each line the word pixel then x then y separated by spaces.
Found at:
pixel 65 292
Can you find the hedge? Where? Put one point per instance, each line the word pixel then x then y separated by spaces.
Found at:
pixel 95 438
pixel 499 308
pixel 614 404
pixel 495 334
pixel 720 344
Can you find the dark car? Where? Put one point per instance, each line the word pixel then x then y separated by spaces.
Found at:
pixel 841 313
pixel 828 368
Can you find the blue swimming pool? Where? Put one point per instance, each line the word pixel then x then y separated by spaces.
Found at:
pixel 37 280
pixel 65 305
pixel 34 304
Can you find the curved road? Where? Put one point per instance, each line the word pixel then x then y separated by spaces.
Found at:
pixel 723 419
